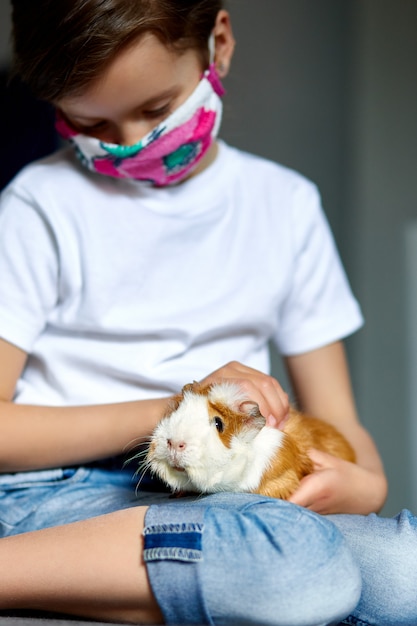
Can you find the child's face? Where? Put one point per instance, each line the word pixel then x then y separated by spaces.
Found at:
pixel 141 87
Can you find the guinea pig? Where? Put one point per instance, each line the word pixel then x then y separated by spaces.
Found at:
pixel 214 439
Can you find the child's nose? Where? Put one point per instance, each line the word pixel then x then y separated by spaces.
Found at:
pixel 130 133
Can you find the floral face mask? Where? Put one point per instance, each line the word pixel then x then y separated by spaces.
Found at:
pixel 167 154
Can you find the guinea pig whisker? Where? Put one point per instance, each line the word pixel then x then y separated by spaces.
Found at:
pixel 142 447
pixel 141 472
pixel 142 462
pixel 138 441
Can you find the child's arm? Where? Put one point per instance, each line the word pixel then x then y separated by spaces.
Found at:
pixel 322 386
pixel 37 437
pixel 34 437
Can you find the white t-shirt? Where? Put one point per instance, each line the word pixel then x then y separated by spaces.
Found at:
pixel 119 291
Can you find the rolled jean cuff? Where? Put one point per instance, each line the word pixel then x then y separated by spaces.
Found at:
pixel 244 558
pixel 172 552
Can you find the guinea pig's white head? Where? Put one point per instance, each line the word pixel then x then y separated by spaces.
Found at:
pixel 206 443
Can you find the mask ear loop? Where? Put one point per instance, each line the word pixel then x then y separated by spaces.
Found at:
pixel 211 74
pixel 212 52
pixel 212 48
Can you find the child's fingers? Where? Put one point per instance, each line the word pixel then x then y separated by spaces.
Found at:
pixel 333 487
pixel 322 460
pixel 259 387
pixel 307 493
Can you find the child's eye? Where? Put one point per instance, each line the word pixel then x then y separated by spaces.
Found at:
pixel 159 112
pixel 90 129
pixel 94 127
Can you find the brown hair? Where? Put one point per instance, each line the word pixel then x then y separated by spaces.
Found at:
pixel 61 46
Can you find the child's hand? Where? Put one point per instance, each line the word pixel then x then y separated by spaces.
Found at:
pixel 337 486
pixel 260 388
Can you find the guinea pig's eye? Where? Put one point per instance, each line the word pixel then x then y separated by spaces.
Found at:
pixel 219 424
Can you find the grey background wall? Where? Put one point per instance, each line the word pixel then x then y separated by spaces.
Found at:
pixel 328 87
pixel 382 205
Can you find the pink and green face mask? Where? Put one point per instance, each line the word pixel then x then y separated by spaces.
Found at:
pixel 167 154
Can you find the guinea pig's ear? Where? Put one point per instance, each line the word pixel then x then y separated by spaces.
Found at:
pixel 251 410
pixel 194 387
pixel 173 404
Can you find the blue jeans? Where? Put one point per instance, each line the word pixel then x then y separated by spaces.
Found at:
pixel 221 559
pixel 34 500
pixel 386 551
pixel 246 559
pixel 298 568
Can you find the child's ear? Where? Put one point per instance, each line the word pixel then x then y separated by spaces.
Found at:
pixel 224 43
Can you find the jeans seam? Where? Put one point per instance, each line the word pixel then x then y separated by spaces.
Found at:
pixel 176 541
pixel 185 527
pixel 172 554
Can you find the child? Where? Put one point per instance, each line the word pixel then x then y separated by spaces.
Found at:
pixel 150 255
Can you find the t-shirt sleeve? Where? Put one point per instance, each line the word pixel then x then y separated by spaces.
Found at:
pixel 319 307
pixel 28 269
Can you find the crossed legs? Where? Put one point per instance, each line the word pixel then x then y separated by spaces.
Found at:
pixel 92 568
pixel 223 559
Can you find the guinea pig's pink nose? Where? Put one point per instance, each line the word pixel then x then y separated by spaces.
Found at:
pixel 176 445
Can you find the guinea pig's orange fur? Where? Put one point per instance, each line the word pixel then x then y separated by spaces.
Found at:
pixel 291 461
